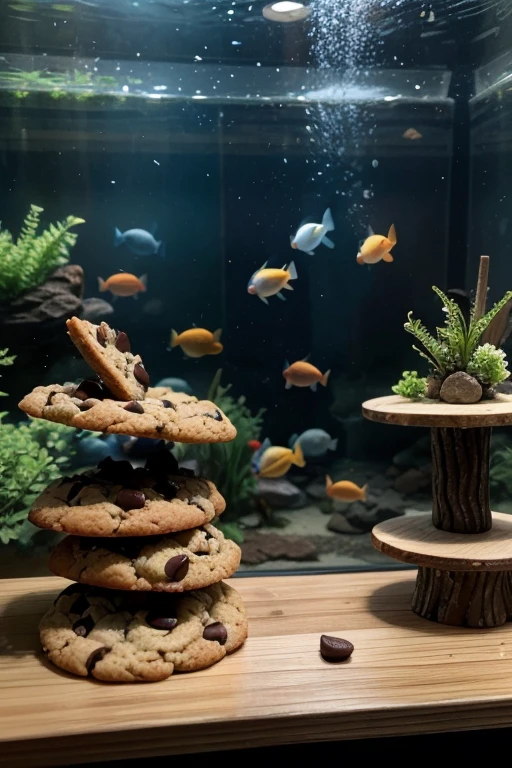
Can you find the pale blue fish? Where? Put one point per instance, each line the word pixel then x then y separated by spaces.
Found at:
pixel 309 236
pixel 314 442
pixel 177 385
pixel 139 241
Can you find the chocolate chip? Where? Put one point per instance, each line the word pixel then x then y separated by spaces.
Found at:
pixel 335 648
pixel 128 499
pixel 96 656
pixel 162 463
pixel 101 336
pixel 161 622
pixel 116 471
pixel 159 428
pixel 73 589
pixel 89 388
pixel 176 568
pixel 168 404
pixel 134 407
pixel 49 398
pixel 167 488
pixel 141 375
pixel 83 626
pixel 74 491
pixel 185 472
pixel 80 605
pixel 216 631
pixel 217 415
pixel 123 342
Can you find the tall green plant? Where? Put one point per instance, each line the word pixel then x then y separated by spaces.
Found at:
pixel 6 359
pixel 454 348
pixel 30 260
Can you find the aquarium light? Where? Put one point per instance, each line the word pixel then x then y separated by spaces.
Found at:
pixel 285 11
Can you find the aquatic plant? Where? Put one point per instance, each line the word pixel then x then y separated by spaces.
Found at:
pixel 228 465
pixel 488 364
pixel 455 344
pixel 32 455
pixel 411 386
pixel 30 261
pixel 6 359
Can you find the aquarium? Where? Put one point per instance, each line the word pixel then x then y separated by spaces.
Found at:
pixel 257 194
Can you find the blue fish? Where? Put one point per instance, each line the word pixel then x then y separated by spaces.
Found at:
pixel 177 385
pixel 91 450
pixel 314 442
pixel 139 241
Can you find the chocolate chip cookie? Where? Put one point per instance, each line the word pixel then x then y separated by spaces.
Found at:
pixel 190 559
pixel 88 405
pixel 118 500
pixel 109 354
pixel 127 637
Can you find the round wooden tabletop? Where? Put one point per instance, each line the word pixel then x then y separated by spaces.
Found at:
pixel 415 540
pixel 394 409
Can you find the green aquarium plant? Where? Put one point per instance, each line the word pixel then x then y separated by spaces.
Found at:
pixel 411 386
pixel 228 465
pixel 29 262
pixel 6 359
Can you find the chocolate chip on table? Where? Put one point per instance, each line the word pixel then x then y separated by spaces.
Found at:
pixel 141 375
pixel 74 491
pixel 216 631
pixel 176 568
pixel 128 499
pixel 335 648
pixel 123 342
pixel 96 656
pixel 158 621
pixel 83 626
pixel 89 388
pixel 167 488
pixel 101 336
pixel 134 407
pixel 168 404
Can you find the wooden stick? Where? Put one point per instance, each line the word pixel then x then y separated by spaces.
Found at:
pixel 481 288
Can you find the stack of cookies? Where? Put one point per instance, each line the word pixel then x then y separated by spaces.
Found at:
pixel 149 598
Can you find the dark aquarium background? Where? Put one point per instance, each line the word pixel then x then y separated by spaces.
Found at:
pixel 221 131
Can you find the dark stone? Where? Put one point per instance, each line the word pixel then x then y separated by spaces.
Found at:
pixel 461 388
pixel 123 343
pixel 128 499
pixel 260 547
pixel 134 407
pixel 280 493
pixel 96 656
pixel 176 568
pixel 141 375
pixel 335 648
pixel 216 631
pixel 339 523
pixel 95 310
pixel 412 481
pixel 433 387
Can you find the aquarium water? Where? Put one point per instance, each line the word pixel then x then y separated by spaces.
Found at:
pixel 225 162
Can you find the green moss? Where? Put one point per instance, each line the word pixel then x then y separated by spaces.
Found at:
pixel 411 386
pixel 488 365
pixel 228 465
pixel 456 342
pixel 30 261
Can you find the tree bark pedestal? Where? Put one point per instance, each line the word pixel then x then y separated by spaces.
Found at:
pixel 463 599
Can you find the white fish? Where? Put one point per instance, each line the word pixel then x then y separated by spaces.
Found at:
pixel 309 236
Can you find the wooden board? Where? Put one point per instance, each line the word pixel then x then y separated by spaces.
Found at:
pixel 394 409
pixel 414 540
pixel 406 676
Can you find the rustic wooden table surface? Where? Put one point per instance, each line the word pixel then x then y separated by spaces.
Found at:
pixel 406 676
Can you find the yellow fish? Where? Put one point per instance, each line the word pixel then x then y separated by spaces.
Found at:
pixel 269 282
pixel 303 374
pixel 198 342
pixel 345 490
pixel 275 461
pixel 377 247
pixel 123 284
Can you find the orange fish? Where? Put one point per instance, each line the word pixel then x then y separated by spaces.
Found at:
pixel 254 444
pixel 303 374
pixel 377 247
pixel 344 490
pixel 197 342
pixel 123 284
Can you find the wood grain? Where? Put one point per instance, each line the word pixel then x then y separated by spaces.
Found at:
pixel 414 540
pixel 394 409
pixel 406 676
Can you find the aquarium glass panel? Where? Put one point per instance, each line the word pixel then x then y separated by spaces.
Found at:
pixel 257 194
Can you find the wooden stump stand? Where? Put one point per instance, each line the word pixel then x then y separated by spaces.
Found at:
pixel 464 553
